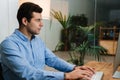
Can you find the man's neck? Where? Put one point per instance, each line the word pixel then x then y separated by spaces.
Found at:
pixel 24 31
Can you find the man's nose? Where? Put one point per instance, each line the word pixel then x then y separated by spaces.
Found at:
pixel 41 24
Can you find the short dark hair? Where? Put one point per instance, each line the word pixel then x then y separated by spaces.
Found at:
pixel 26 10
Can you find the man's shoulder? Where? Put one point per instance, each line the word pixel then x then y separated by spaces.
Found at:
pixel 11 38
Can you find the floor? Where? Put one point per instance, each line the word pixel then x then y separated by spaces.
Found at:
pixel 64 55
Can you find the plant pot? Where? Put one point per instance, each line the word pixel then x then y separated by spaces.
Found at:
pixel 65 39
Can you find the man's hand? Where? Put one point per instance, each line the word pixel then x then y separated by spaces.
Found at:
pixel 85 68
pixel 80 72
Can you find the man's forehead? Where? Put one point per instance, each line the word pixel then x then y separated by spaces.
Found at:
pixel 36 14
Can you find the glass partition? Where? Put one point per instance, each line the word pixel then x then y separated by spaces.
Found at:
pixel 108 20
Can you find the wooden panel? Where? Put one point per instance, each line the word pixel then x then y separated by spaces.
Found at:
pixel 110 45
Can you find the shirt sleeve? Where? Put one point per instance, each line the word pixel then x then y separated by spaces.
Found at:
pixel 53 61
pixel 18 64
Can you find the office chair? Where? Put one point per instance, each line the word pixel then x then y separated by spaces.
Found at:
pixel 1 76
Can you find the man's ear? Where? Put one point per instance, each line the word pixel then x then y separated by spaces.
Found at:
pixel 24 21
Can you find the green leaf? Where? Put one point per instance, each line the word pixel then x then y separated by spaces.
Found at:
pixel 62 19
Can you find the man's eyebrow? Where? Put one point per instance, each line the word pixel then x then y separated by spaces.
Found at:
pixel 38 19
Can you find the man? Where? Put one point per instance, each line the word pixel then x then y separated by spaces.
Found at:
pixel 23 55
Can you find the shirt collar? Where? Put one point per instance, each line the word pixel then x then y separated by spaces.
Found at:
pixel 22 36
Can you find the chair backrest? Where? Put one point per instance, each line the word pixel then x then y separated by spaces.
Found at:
pixel 1 76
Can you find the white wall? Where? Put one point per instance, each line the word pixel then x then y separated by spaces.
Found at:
pixel 3 19
pixel 12 21
pixel 7 17
pixel 52 35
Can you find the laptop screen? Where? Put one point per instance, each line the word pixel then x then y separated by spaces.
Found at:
pixel 116 63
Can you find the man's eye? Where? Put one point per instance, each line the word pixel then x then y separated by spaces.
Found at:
pixel 38 19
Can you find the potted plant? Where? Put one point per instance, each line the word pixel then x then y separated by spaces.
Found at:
pixel 79 20
pixel 64 21
pixel 86 47
pixel 75 32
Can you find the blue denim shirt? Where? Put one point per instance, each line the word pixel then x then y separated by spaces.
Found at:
pixel 24 59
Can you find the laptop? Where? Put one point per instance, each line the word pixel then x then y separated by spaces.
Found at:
pixel 116 64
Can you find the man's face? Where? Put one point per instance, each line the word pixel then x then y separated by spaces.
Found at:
pixel 34 26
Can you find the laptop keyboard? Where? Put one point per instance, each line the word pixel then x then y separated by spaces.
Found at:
pixel 116 75
pixel 97 76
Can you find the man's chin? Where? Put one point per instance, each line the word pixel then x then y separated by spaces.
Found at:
pixel 36 33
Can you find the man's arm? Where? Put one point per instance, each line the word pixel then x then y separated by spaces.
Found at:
pixel 18 64
pixel 53 61
pixel 71 71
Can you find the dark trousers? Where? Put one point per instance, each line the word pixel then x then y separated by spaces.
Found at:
pixel 1 77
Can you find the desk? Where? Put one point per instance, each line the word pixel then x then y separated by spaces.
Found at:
pixel 106 68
